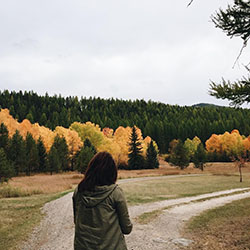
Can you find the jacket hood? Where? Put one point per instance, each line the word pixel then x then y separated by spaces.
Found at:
pixel 100 193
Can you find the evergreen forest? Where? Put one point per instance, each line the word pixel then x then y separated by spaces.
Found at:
pixel 162 122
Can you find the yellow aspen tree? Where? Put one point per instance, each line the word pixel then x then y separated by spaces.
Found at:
pixel 232 143
pixel 246 143
pixel 213 144
pixel 192 145
pixel 108 132
pixel 11 123
pixel 72 138
pixel 121 138
pixel 89 131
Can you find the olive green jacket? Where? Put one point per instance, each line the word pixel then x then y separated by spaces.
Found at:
pixel 101 218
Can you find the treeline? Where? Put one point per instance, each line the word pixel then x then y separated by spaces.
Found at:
pixel 25 155
pixel 161 122
pixel 20 155
pixel 225 147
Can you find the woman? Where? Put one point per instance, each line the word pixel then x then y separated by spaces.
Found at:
pixel 100 209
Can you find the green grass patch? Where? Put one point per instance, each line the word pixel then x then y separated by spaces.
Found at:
pixel 148 217
pixel 236 209
pixel 18 216
pixel 226 227
pixel 161 189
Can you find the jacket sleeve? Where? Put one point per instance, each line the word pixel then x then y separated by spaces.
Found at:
pixel 74 204
pixel 122 211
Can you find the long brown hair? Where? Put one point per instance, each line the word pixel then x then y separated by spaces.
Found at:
pixel 101 171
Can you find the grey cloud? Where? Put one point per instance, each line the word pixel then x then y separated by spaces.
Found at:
pixel 121 49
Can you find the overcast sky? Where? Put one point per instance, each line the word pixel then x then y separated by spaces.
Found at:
pixel 134 49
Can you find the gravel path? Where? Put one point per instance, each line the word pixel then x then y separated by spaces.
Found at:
pixel 56 230
pixel 164 231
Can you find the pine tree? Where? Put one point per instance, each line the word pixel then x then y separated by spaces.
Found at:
pixel 17 152
pixel 63 152
pixel 234 21
pixel 87 143
pixel 83 158
pixel 6 168
pixel 179 155
pixel 53 160
pixel 4 136
pixel 85 155
pixel 135 158
pixel 29 116
pixel 42 154
pixel 32 163
pixel 151 157
pixel 200 157
pixel 43 119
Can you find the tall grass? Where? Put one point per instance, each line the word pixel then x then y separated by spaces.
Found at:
pixel 7 191
pixel 44 183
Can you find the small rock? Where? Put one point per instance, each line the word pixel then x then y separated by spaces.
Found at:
pixel 159 240
pixel 182 241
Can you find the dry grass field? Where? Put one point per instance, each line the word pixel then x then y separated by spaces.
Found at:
pixel 226 227
pixel 153 190
pixel 216 168
pixel 46 183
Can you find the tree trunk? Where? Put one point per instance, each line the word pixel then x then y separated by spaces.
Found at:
pixel 240 172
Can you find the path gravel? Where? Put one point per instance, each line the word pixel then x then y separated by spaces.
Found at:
pixel 56 230
pixel 164 231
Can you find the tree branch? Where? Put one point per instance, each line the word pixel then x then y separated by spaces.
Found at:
pixel 241 50
pixel 190 3
pixel 246 67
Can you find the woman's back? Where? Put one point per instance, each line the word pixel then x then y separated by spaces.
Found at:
pixel 101 218
pixel 100 210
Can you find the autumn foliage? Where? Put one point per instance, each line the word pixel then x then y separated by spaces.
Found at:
pixel 228 145
pixel 231 144
pixel 114 142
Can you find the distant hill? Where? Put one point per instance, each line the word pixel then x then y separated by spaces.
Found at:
pixel 209 105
